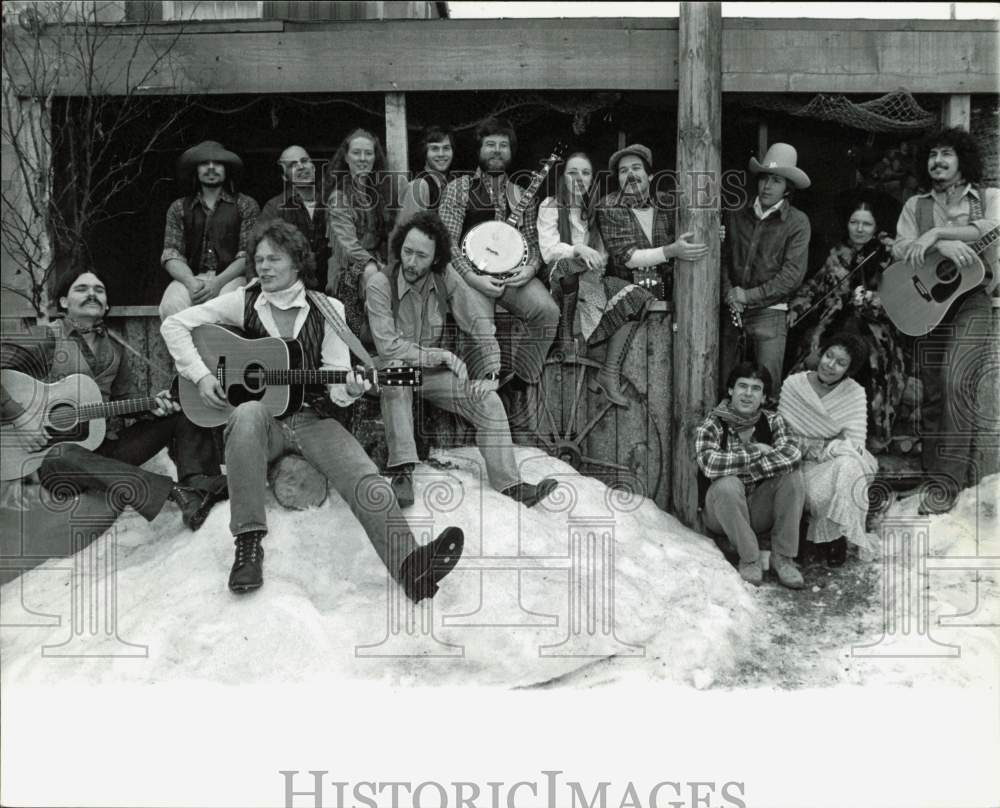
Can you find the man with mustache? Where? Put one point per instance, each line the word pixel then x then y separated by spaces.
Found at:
pixel 749 480
pixel 80 343
pixel 954 211
pixel 489 195
pixel 205 242
pixel 298 203
pixel 409 305
pixel 764 261
pixel 424 192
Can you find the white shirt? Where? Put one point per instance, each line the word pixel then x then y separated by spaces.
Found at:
pixel 549 243
pixel 228 309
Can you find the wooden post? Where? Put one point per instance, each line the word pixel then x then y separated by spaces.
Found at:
pixel 396 144
pixel 956 110
pixel 696 283
pixel 761 139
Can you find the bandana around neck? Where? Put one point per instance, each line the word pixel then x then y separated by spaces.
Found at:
pixel 739 422
pixel 97 328
pixel 286 298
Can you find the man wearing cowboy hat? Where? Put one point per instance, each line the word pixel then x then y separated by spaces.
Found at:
pixel 764 261
pixel 205 243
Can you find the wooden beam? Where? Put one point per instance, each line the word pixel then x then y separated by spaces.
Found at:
pixel 696 283
pixel 863 56
pixel 956 110
pixel 761 139
pixel 397 147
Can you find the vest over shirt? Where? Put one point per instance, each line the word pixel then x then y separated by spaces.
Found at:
pixel 223 232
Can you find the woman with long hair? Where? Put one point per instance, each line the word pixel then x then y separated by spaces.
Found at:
pixel 360 210
pixel 826 412
pixel 603 312
pixel 843 296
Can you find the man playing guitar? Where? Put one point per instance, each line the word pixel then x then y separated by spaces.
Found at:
pixel 955 212
pixel 80 344
pixel 277 305
pixel 486 196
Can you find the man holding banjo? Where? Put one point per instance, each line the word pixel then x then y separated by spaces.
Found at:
pixel 506 257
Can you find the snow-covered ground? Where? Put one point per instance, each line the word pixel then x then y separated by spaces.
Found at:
pixel 589 588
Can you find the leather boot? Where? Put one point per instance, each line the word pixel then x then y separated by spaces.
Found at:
pixel 530 495
pixel 248 567
pixel 609 376
pixel 194 505
pixel 428 564
pixel 570 290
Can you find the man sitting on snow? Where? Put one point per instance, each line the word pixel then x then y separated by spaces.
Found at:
pixel 277 305
pixel 408 308
pixel 748 476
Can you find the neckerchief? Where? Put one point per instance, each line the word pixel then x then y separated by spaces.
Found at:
pixel 734 419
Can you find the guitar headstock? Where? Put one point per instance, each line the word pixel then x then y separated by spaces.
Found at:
pixel 400 377
pixel 558 154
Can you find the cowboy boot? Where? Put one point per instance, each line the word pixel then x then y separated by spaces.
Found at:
pixel 609 376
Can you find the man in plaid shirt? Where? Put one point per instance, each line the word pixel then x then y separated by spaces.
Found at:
pixel 486 196
pixel 748 476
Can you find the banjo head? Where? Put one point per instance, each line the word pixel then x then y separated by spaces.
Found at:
pixel 495 248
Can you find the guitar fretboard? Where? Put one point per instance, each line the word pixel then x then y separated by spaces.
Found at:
pixel 303 376
pixel 986 241
pixel 128 406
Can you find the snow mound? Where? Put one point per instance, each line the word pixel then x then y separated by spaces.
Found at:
pixel 590 574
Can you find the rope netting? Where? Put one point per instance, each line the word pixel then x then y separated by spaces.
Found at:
pixel 897 111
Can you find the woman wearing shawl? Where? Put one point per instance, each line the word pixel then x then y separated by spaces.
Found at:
pixel 600 309
pixel 826 412
pixel 843 296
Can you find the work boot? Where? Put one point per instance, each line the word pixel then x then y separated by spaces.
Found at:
pixel 752 572
pixel 401 479
pixel 428 564
pixel 248 568
pixel 530 495
pixel 609 376
pixel 788 574
pixel 194 505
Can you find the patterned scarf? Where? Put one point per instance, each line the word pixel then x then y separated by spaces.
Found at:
pixel 738 422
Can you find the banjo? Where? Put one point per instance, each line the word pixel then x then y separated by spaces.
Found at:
pixel 497 248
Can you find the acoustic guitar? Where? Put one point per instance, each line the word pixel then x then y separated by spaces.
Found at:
pixel 917 298
pixel 269 370
pixel 497 248
pixel 69 411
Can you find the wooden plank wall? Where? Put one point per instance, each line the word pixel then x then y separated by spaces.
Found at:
pixel 789 55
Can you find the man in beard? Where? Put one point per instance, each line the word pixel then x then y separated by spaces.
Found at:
pixel 488 195
pixel 205 242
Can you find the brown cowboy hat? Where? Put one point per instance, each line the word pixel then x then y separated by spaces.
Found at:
pixel 781 159
pixel 205 151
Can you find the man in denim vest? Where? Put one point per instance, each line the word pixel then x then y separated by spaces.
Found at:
pixel 205 241
pixel 954 212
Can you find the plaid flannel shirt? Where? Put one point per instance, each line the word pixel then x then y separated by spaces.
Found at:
pixel 175 237
pixel 741 459
pixel 455 202
pixel 623 235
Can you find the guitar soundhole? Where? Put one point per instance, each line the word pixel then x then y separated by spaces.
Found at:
pixel 949 280
pixel 253 379
pixel 946 271
pixel 63 425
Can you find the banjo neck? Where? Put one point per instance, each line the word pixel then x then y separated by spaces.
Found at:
pixel 536 181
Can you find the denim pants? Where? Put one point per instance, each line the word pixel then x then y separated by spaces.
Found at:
pixel 953 361
pixel 775 504
pixel 534 306
pixel 766 331
pixel 254 438
pixel 442 388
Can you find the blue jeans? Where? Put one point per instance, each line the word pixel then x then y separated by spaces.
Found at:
pixel 766 331
pixel 254 438
pixel 442 388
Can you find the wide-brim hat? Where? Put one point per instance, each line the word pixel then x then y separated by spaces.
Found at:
pixel 205 151
pixel 781 159
pixel 637 149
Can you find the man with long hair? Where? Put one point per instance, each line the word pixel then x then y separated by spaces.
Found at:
pixel 953 212
pixel 409 306
pixel 205 241
pixel 277 305
pixel 80 343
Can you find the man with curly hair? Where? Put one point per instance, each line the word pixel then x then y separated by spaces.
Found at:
pixel 409 306
pixel 953 212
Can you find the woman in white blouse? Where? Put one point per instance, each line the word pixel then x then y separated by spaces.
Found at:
pixel 601 311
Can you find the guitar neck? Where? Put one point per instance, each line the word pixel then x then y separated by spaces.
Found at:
pixel 303 376
pixel 985 242
pixel 530 191
pixel 128 406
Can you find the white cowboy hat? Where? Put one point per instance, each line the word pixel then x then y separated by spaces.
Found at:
pixel 780 159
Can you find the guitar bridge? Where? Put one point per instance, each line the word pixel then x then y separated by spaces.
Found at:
pixel 921 289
